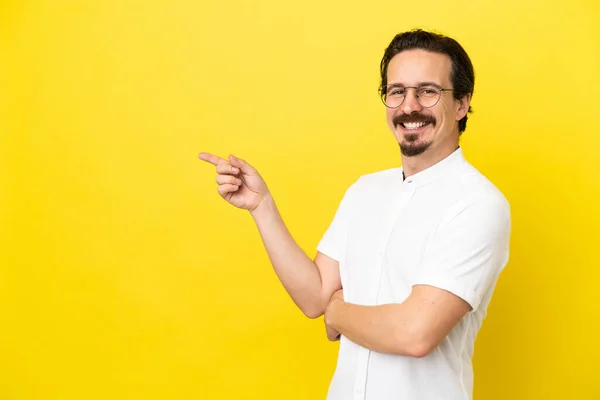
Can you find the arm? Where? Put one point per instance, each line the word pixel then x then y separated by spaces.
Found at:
pixel 463 259
pixel 412 328
pixel 309 283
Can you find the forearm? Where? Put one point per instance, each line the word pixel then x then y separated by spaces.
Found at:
pixel 386 328
pixel 296 271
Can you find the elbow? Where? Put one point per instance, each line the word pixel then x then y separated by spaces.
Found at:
pixel 420 349
pixel 312 312
pixel 314 308
pixel 418 344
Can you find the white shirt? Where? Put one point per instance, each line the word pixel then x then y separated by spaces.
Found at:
pixel 447 226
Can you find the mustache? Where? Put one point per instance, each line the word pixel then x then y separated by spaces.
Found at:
pixel 414 117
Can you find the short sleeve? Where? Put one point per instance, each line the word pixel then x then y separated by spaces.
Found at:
pixel 333 242
pixel 468 250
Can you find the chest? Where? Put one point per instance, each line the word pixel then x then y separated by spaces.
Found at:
pixel 386 241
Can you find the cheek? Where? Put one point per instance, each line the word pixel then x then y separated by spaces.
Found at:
pixel 445 115
pixel 389 115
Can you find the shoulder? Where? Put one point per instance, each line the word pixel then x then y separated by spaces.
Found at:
pixel 481 200
pixel 480 188
pixel 370 186
pixel 377 180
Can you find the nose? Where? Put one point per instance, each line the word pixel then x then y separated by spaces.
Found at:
pixel 410 103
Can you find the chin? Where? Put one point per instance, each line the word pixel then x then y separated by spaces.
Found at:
pixel 413 148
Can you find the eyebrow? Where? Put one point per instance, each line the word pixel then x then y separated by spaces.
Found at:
pixel 394 85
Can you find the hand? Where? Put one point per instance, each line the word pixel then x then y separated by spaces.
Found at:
pixel 239 183
pixel 332 334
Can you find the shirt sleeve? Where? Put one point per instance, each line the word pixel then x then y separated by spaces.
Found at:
pixel 333 242
pixel 468 250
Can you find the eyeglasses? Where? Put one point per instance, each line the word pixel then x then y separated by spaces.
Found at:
pixel 427 95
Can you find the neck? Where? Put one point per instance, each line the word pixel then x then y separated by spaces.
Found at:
pixel 414 165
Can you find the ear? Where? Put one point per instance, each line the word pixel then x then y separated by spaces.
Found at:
pixel 463 106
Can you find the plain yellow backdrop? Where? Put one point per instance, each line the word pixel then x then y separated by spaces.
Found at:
pixel 125 276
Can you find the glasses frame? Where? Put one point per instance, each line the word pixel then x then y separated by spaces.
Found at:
pixel 382 95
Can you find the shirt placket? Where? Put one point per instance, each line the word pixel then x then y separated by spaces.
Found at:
pixel 364 354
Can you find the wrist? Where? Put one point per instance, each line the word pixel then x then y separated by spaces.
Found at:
pixel 332 314
pixel 265 207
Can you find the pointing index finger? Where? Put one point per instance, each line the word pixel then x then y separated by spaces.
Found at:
pixel 214 160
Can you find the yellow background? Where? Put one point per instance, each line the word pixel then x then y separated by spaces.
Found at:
pixel 125 276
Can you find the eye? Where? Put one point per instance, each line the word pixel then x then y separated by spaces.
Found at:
pixel 428 91
pixel 397 92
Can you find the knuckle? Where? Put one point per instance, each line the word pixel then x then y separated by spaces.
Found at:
pixel 222 167
pixel 224 179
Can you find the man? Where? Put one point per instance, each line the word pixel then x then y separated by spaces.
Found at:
pixel 417 249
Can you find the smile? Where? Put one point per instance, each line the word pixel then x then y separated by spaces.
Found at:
pixel 410 126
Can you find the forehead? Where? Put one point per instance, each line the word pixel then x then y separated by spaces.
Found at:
pixel 412 67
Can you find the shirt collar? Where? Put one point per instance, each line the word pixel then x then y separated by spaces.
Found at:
pixel 437 170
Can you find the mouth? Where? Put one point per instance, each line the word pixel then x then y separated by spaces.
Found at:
pixel 414 127
pixel 414 123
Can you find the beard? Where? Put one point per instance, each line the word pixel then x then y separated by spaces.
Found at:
pixel 411 146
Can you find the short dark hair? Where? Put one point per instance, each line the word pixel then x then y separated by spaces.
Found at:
pixel 462 74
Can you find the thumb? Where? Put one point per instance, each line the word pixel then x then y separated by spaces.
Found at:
pixel 242 165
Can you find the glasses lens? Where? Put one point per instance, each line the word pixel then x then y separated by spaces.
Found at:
pixel 429 95
pixel 393 99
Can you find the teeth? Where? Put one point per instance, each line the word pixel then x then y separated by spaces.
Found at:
pixel 413 125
